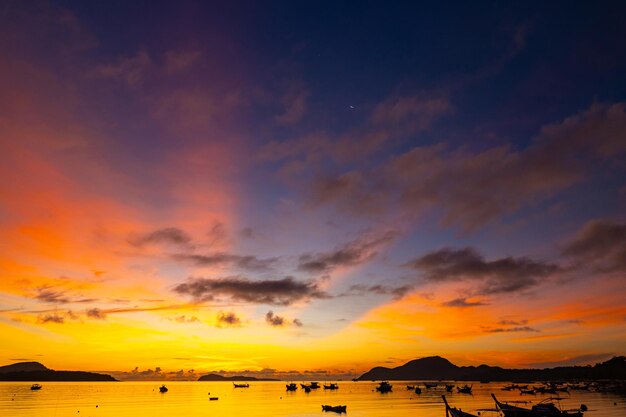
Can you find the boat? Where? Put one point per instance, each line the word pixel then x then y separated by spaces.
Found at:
pixel 331 386
pixel 418 390
pixel 527 391
pixel 35 387
pixel 454 412
pixel 335 408
pixel 291 387
pixel 384 387
pixel 465 389
pixel 163 389
pixel 449 388
pixel 241 385
pixel 429 385
pixel 306 388
pixel 545 408
pixel 213 398
pixel 314 385
pixel 410 387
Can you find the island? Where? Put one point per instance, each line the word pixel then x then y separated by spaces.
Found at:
pixel 236 378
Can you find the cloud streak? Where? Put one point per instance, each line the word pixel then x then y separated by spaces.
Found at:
pixel 284 291
pixel 505 275
pixel 600 244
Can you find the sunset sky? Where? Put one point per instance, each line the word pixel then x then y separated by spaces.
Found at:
pixel 316 188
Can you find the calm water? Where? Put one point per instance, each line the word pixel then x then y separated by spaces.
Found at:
pixel 191 399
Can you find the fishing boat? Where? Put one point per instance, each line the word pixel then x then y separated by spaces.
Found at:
pixel 306 388
pixel 429 385
pixel 384 387
pixel 465 389
pixel 291 387
pixel 213 398
pixel 331 386
pixel 454 412
pixel 449 388
pixel 545 408
pixel 335 408
pixel 35 387
pixel 418 390
pixel 163 389
pixel 410 387
pixel 314 385
pixel 527 391
pixel 241 385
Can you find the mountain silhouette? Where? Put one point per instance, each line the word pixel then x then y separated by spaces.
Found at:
pixel 23 367
pixel 438 368
pixel 36 372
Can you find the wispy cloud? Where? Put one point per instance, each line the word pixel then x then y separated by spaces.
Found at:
pixel 463 302
pixel 353 253
pixel 168 235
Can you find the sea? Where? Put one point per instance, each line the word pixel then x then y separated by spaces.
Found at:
pixel 264 399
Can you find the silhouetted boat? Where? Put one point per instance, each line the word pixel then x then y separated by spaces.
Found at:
pixel 291 387
pixel 466 389
pixel 335 408
pixel 383 387
pixel 241 385
pixel 429 385
pixel 527 391
pixel 546 408
pixel 331 386
pixel 306 388
pixel 35 387
pixel 418 390
pixel 163 388
pixel 213 398
pixel 410 387
pixel 454 412
pixel 449 388
pixel 314 385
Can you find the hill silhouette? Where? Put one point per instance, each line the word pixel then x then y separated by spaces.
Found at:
pixel 217 377
pixel 23 367
pixel 36 372
pixel 436 368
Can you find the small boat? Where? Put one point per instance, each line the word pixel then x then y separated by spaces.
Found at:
pixel 213 398
pixel 527 391
pixel 430 385
pixel 35 387
pixel 335 408
pixel 418 390
pixel 331 386
pixel 163 389
pixel 449 388
pixel 306 388
pixel 241 385
pixel 291 387
pixel 466 389
pixel 546 408
pixel 314 385
pixel 454 412
pixel 384 387
pixel 410 387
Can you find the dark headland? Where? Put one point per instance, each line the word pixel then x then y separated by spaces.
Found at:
pixel 217 377
pixel 436 368
pixel 35 372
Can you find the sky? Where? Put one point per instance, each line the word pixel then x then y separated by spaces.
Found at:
pixel 311 189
